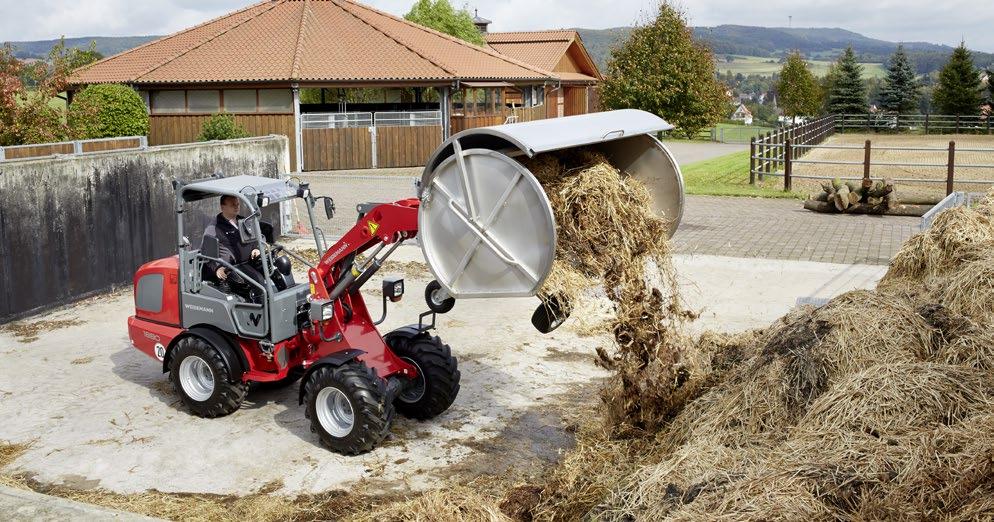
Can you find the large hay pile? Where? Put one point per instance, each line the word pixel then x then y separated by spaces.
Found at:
pixel 878 405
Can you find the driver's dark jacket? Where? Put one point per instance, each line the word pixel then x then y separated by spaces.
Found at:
pixel 231 248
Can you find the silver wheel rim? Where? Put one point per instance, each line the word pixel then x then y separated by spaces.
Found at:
pixel 196 378
pixel 416 389
pixel 335 412
pixel 435 298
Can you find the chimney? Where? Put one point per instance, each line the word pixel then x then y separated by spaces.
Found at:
pixel 481 23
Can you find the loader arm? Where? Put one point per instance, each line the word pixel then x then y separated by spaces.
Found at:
pixel 384 224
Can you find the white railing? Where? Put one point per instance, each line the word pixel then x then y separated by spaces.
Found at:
pixel 336 120
pixel 341 120
pixel 408 118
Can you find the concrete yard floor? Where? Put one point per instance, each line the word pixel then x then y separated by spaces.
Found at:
pixel 98 413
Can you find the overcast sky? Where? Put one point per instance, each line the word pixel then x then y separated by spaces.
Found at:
pixel 938 21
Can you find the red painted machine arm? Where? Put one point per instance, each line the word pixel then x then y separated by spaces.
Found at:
pixel 386 223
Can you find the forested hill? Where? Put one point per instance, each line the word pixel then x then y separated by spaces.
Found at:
pixel 817 43
pixel 774 42
pixel 106 45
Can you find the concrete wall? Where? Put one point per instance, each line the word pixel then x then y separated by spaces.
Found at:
pixel 74 226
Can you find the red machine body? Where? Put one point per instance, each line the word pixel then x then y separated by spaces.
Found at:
pixel 155 332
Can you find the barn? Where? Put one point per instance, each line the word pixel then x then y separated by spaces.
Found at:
pixel 351 86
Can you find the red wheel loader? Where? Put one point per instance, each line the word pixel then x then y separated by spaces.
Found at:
pixel 486 230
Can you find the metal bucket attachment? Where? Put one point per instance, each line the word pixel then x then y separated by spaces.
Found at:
pixel 485 223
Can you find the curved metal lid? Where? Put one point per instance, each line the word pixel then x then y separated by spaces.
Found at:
pixel 536 137
pixel 486 226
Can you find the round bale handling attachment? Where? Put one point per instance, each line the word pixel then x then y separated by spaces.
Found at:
pixel 486 230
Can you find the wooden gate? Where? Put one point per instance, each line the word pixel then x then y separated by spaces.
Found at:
pixel 576 101
pixel 406 146
pixel 338 149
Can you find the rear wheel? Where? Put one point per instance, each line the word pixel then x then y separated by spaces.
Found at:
pixel 437 383
pixel 347 407
pixel 203 380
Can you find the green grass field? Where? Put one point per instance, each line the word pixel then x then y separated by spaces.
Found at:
pixel 761 65
pixel 729 176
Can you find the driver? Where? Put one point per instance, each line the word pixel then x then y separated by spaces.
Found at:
pixel 232 249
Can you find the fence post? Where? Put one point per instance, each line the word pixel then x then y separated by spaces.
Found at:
pixel 752 160
pixel 988 124
pixel 77 147
pixel 957 124
pixel 950 167
pixel 143 142
pixel 926 124
pixel 866 160
pixel 843 123
pixel 3 156
pixel 787 169
pixel 867 122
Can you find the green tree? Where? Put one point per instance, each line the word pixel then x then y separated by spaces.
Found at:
pixel 799 94
pixel 441 16
pixel 221 127
pixel 827 84
pixel 108 110
pixel 958 90
pixel 901 90
pixel 848 94
pixel 26 115
pixel 663 70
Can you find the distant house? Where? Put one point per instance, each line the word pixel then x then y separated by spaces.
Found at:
pixel 743 114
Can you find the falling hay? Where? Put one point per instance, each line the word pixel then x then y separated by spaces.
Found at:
pixel 608 234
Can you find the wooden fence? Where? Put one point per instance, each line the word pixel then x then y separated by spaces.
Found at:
pixel 770 151
pixel 169 129
pixel 914 123
pixel 17 152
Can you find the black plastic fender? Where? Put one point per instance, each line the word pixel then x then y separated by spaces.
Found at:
pixel 405 332
pixel 335 359
pixel 234 358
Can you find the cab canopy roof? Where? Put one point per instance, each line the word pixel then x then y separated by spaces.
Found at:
pixel 249 187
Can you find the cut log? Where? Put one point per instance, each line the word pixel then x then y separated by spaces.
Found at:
pixel 898 210
pixel 842 198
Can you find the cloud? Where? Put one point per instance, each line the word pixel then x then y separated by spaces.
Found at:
pixel 897 20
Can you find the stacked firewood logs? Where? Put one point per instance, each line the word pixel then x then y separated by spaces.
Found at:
pixel 879 196
pixel 865 197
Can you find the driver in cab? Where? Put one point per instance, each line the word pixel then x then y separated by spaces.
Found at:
pixel 231 248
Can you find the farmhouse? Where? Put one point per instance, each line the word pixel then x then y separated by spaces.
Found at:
pixel 563 54
pixel 351 86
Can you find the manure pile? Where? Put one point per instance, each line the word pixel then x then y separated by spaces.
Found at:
pixel 877 405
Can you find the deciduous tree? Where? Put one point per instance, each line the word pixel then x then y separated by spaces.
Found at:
pixel 441 16
pixel 799 94
pixel 661 69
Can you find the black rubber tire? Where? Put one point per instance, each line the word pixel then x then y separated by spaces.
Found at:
pixel 441 375
pixel 229 390
pixel 366 394
pixel 439 308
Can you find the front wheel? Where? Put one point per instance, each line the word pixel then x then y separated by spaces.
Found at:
pixel 437 383
pixel 347 407
pixel 203 380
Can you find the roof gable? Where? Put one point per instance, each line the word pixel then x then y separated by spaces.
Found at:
pixel 560 51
